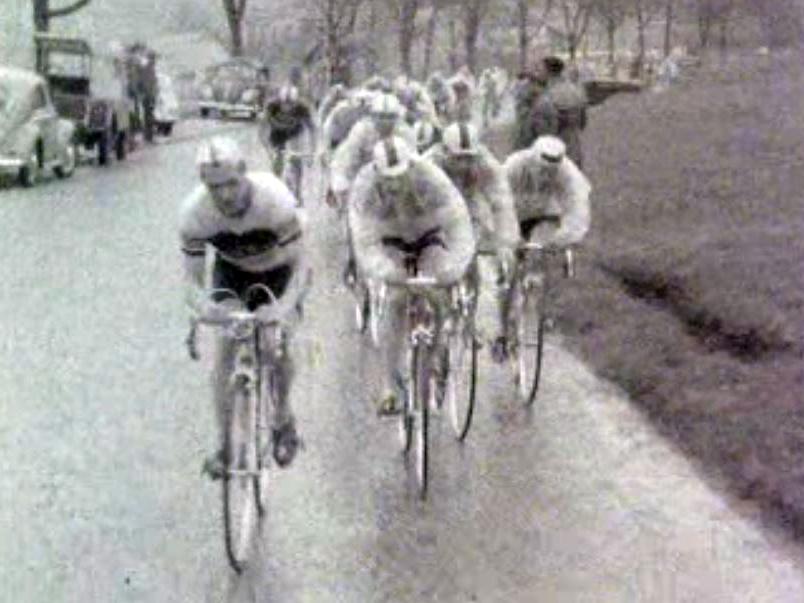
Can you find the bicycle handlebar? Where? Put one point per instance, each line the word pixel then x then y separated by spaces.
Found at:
pixel 239 314
pixel 421 281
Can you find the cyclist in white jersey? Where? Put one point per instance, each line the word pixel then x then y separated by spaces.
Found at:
pixel 251 224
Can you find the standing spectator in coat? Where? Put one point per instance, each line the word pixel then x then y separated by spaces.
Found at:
pixel 570 102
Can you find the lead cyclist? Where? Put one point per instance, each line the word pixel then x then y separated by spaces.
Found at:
pixel 249 221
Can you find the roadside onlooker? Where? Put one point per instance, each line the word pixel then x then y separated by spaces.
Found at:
pixel 570 102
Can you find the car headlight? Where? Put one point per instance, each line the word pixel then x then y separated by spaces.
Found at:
pixel 206 92
pixel 249 96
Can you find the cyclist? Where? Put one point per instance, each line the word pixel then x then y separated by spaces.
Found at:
pixel 482 181
pixel 384 121
pixel 416 101
pixel 250 221
pixel 402 205
pixel 285 119
pixel 551 196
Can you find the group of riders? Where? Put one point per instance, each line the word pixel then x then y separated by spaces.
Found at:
pixel 405 169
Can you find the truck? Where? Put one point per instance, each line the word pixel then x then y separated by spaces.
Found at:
pixel 101 114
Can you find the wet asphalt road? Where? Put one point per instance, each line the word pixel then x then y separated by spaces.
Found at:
pixel 105 422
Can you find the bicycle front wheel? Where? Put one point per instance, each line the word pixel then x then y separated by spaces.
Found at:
pixel 239 483
pixel 461 380
pixel 420 417
pixel 529 345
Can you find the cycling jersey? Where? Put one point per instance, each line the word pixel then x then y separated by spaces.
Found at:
pixel 284 123
pixel 267 235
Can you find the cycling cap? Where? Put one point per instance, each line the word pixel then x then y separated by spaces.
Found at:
pixel 288 94
pixel 461 139
pixel 425 132
pixel 363 96
pixel 386 104
pixel 392 157
pixel 218 158
pixel 550 149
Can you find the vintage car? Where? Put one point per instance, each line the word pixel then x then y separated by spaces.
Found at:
pixel 166 112
pixel 95 101
pixel 238 86
pixel 32 135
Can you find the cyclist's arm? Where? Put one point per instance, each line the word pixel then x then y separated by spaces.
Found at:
pixel 496 190
pixel 577 217
pixel 346 159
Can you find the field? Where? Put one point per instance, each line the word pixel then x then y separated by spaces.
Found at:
pixel 690 293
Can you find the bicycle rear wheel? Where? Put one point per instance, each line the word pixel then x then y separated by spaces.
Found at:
pixel 530 344
pixel 239 484
pixel 461 379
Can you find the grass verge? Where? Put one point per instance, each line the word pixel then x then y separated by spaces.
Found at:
pixel 690 291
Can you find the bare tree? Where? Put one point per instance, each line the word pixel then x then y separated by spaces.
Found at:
pixel 42 15
pixel 335 21
pixel 645 11
pixel 522 16
pixel 575 18
pixel 406 11
pixel 611 14
pixel 474 12
pixel 235 11
pixel 669 15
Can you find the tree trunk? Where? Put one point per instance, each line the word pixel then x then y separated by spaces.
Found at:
pixel 432 26
pixel 704 25
pixel 611 29
pixel 471 32
pixel 522 14
pixel 235 9
pixel 453 45
pixel 640 61
pixel 668 27
pixel 407 29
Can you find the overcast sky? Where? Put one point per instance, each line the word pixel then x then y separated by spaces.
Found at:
pixel 101 22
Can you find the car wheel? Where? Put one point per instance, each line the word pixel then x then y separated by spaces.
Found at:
pixel 69 159
pixel 168 128
pixel 204 112
pixel 29 173
pixel 103 149
pixel 121 146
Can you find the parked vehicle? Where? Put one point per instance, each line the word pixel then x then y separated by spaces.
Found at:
pixel 167 108
pixel 239 86
pixel 32 135
pixel 101 122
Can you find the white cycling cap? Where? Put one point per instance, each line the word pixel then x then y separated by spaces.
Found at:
pixel 289 94
pixel 218 158
pixel 550 149
pixel 392 157
pixel 387 104
pixel 461 139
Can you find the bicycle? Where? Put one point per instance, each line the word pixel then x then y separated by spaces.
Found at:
pixel 421 389
pixel 247 437
pixel 528 311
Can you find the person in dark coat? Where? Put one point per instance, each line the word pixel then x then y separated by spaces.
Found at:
pixel 570 102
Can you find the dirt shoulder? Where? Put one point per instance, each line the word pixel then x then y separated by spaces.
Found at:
pixel 690 292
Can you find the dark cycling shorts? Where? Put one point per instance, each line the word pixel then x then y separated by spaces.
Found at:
pixel 526 226
pixel 227 276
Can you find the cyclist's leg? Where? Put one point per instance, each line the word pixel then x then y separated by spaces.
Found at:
pixel 394 353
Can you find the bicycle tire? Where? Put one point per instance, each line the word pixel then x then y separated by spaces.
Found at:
pixel 530 345
pixel 421 410
pixel 362 311
pixel 461 380
pixel 264 441
pixel 239 484
pixel 406 417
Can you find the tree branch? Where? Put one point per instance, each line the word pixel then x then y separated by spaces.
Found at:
pixel 66 10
